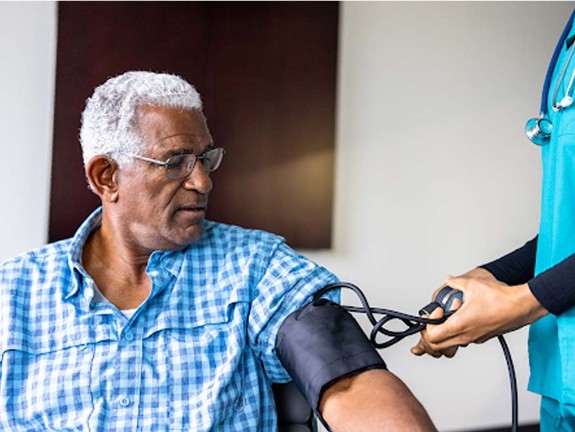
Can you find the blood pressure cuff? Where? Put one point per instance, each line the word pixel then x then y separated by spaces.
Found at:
pixel 320 343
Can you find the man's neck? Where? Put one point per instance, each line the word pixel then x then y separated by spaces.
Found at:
pixel 118 270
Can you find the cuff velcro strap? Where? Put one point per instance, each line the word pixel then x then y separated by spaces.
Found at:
pixel 320 343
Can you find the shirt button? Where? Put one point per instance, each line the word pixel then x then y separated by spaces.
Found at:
pixel 124 402
pixel 129 337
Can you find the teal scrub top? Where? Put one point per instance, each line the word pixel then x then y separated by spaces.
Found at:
pixel 552 338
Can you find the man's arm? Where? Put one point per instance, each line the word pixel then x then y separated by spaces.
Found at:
pixel 374 400
pixel 341 375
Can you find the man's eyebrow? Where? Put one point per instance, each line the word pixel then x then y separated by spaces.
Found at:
pixel 180 151
pixel 209 147
pixel 174 152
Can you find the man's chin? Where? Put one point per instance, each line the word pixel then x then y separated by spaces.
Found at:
pixel 193 235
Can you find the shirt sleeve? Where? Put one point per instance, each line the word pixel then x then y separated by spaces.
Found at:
pixel 553 288
pixel 288 282
pixel 516 267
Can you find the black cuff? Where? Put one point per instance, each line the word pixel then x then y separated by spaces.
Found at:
pixel 320 343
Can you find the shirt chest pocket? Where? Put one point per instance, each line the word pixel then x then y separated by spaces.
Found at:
pixel 47 389
pixel 203 375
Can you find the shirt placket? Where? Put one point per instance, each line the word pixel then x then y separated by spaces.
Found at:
pixel 127 379
pixel 129 392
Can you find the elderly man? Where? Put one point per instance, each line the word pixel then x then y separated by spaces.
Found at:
pixel 152 318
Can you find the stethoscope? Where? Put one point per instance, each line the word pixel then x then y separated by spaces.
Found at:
pixel 538 129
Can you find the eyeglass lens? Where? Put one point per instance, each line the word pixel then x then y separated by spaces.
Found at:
pixel 181 166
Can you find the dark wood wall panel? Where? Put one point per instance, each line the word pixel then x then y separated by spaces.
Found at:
pixel 267 75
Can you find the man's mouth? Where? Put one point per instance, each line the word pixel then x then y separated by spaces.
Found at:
pixel 193 209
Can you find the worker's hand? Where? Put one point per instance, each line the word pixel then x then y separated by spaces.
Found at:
pixel 490 308
pixel 423 347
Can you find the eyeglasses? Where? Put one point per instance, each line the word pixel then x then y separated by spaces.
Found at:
pixel 180 166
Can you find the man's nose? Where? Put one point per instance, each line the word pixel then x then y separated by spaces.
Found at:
pixel 199 179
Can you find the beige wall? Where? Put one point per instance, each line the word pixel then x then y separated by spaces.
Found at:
pixel 27 70
pixel 434 173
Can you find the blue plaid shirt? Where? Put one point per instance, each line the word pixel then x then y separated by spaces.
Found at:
pixel 197 355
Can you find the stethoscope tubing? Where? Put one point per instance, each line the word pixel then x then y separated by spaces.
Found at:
pixel 539 129
pixel 548 77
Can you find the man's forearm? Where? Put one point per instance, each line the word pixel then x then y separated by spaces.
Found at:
pixel 374 400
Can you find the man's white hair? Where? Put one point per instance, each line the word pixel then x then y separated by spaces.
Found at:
pixel 108 121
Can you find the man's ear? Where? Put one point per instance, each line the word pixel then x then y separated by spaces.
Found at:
pixel 101 174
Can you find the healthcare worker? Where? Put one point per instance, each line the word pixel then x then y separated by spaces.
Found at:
pixel 534 284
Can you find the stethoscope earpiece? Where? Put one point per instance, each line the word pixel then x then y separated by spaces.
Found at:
pixel 566 102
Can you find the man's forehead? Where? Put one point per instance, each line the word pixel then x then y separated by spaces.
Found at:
pixel 173 129
pixel 159 112
pixel 169 121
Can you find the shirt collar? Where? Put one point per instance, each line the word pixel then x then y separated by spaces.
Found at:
pixel 77 246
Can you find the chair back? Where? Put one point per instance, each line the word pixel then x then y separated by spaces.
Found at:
pixel 293 411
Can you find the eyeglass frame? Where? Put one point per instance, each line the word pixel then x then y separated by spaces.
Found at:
pixel 166 163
